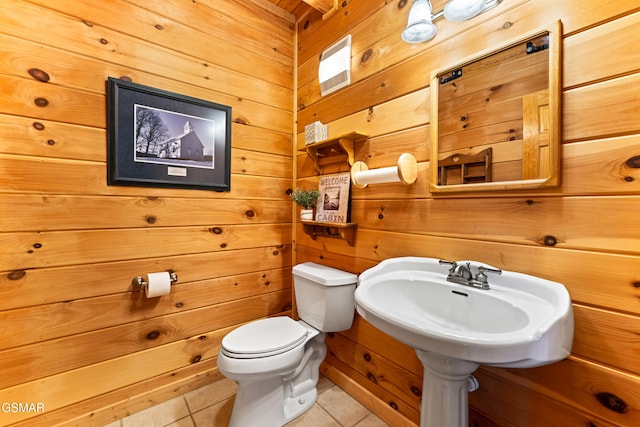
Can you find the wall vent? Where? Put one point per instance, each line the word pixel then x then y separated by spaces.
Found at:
pixel 335 67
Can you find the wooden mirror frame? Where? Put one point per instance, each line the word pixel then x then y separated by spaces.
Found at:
pixel 554 33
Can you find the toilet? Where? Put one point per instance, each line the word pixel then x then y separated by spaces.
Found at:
pixel 276 361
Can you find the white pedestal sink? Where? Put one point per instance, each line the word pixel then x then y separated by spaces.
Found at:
pixel 521 321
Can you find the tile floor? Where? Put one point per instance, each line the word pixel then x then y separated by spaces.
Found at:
pixel 210 406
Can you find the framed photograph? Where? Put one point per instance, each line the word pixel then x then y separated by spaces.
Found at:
pixel 333 201
pixel 163 139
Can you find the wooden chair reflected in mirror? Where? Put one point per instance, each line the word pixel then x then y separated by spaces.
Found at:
pixel 465 169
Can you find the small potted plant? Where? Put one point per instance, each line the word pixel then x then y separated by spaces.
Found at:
pixel 308 200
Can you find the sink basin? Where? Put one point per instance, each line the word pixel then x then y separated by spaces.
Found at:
pixel 522 321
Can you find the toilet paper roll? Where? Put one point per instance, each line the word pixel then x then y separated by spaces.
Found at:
pixel 158 284
pixel 406 172
pixel 377 176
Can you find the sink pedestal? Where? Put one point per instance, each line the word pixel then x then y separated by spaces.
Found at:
pixel 444 390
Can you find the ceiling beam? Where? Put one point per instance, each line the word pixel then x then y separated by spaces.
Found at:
pixel 326 7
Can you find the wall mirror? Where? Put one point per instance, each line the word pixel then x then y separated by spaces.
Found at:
pixel 495 117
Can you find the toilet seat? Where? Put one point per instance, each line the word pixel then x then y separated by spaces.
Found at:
pixel 264 338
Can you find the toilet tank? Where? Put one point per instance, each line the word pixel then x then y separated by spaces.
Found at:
pixel 324 296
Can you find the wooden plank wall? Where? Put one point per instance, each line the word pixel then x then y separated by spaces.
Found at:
pixel 585 234
pixel 74 335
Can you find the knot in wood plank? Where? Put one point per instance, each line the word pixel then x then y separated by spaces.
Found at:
pixel 16 274
pixel 39 75
pixel 612 402
pixel 633 162
pixel 41 102
pixel 366 55
pixel 153 335
pixel 550 240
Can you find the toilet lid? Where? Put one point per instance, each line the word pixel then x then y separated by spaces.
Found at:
pixel 265 337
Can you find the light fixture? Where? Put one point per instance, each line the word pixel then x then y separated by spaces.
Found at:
pixel 420 27
pixel 462 10
pixel 334 71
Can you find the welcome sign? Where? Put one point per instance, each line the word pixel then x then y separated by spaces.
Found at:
pixel 333 202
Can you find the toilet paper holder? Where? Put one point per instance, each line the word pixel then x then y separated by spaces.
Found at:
pixel 138 282
pixel 405 172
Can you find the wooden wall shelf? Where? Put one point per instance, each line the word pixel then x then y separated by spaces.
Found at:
pixel 334 150
pixel 340 149
pixel 345 231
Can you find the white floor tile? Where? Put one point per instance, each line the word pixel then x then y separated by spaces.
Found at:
pixel 211 406
pixel 342 407
pixel 160 415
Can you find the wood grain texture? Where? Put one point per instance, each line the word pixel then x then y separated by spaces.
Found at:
pixel 582 233
pixel 22 288
pixel 71 244
pixel 76 335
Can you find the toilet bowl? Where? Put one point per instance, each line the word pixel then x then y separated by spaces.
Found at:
pixel 262 398
pixel 276 361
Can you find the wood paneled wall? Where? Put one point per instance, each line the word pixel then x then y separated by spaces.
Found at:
pixel 74 336
pixel 77 338
pixel 585 233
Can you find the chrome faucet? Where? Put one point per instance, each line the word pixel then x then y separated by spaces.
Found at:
pixel 462 274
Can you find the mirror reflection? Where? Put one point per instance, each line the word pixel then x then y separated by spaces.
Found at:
pixel 495 118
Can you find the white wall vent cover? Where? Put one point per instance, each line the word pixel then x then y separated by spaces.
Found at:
pixel 335 67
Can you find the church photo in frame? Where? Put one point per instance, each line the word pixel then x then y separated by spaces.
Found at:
pixel 163 139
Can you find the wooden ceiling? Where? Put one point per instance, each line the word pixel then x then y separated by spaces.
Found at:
pixel 301 7
pixel 289 5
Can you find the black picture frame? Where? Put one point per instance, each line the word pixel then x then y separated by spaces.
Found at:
pixel 163 139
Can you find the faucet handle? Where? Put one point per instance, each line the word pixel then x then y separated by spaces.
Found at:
pixel 481 277
pixel 482 269
pixel 453 264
